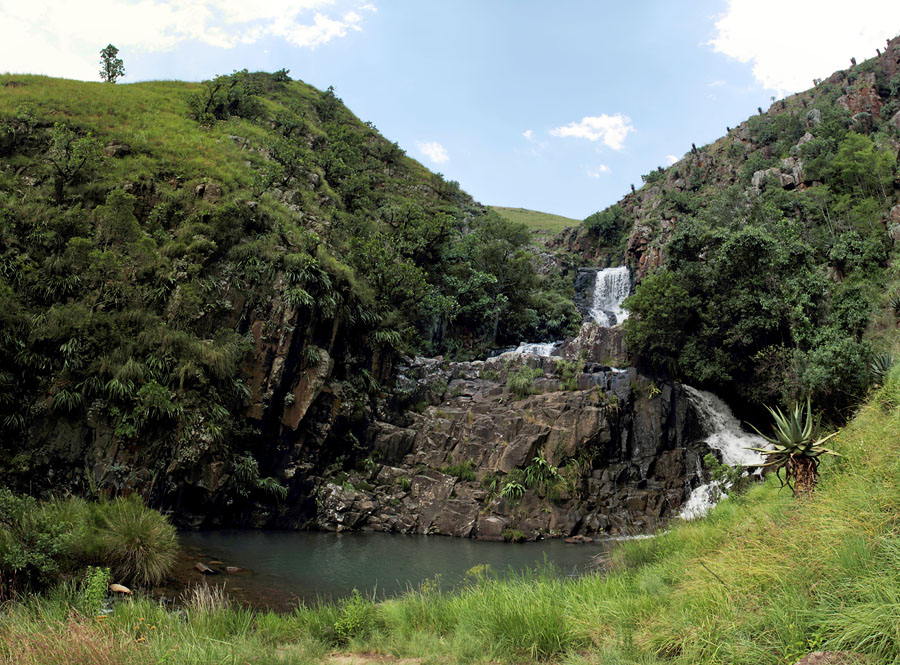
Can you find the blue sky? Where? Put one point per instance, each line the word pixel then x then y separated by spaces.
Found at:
pixel 556 106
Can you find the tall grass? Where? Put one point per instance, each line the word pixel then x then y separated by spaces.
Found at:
pixel 764 579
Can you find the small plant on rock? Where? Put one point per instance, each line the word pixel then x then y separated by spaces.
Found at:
pixel 795 448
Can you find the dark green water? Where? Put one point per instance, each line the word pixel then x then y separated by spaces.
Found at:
pixel 311 565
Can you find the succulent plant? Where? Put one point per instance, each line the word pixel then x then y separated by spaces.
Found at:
pixel 880 366
pixel 794 448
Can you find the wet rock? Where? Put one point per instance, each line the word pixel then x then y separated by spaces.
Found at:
pixel 201 567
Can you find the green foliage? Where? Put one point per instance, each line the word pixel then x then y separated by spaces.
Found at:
pixel 139 544
pixel 514 536
pixel 357 619
pixel 31 545
pixel 543 476
pixel 111 66
pixel 794 447
pixel 512 490
pixel 463 471
pixel 608 225
pixel 226 95
pixel 741 280
pixel 880 367
pixel 246 478
pixel 69 157
pixel 93 590
pixel 521 381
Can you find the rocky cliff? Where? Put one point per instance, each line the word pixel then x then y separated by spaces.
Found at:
pixel 590 449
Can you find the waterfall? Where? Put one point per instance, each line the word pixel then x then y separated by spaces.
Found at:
pixel 611 287
pixel 723 433
pixel 536 349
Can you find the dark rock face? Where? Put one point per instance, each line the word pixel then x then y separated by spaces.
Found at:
pixel 585 281
pixel 597 344
pixel 629 452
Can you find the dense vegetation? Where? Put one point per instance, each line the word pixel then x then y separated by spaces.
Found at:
pixel 145 228
pixel 776 279
pixel 762 580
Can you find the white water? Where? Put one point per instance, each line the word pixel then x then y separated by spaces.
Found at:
pixel 613 285
pixel 536 349
pixel 724 434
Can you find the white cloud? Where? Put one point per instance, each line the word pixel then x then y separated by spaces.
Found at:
pixel 611 129
pixel 64 39
pixel 598 172
pixel 718 83
pixel 528 134
pixel 790 43
pixel 433 151
pixel 671 159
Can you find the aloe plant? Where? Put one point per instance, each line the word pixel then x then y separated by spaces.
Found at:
pixel 880 366
pixel 794 448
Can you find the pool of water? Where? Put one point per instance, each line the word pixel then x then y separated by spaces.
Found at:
pixel 310 565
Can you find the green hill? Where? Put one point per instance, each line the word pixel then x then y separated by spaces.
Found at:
pixel 183 268
pixel 536 221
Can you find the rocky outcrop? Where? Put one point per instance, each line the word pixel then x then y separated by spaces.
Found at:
pixel 597 344
pixel 624 453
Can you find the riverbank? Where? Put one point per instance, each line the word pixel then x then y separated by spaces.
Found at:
pixel 764 579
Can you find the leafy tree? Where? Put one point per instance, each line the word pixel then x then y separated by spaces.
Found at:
pixel 111 66
pixel 69 156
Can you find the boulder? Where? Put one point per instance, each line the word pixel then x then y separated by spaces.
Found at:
pixel 208 191
pixel 116 149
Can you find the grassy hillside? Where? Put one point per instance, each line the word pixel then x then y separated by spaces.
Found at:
pixel 536 221
pixel 177 257
pixel 763 580
pixel 766 260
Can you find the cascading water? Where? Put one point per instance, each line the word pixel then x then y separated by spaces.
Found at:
pixel 724 434
pixel 536 349
pixel 611 287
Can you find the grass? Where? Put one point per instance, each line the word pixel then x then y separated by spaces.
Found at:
pixel 764 579
pixel 537 221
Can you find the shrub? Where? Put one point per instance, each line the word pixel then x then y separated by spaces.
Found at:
pixel 31 545
pixel 93 590
pixel 357 619
pixel 463 470
pixel 521 382
pixel 138 543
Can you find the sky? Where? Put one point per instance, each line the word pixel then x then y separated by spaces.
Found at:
pixel 551 105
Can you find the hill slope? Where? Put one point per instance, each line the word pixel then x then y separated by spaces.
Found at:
pixel 203 283
pixel 765 260
pixel 536 221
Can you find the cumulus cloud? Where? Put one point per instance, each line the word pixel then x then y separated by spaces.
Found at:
pixel 671 159
pixel 64 39
pixel 611 129
pixel 598 172
pixel 528 134
pixel 810 39
pixel 433 151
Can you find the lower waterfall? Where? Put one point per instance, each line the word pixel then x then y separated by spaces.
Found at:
pixel 724 434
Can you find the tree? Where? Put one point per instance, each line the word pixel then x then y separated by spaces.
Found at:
pixel 111 67
pixel 68 156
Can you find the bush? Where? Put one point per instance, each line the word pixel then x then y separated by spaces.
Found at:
pixel 357 619
pixel 31 545
pixel 521 382
pixel 138 543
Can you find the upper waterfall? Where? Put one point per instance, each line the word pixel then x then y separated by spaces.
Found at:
pixel 611 287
